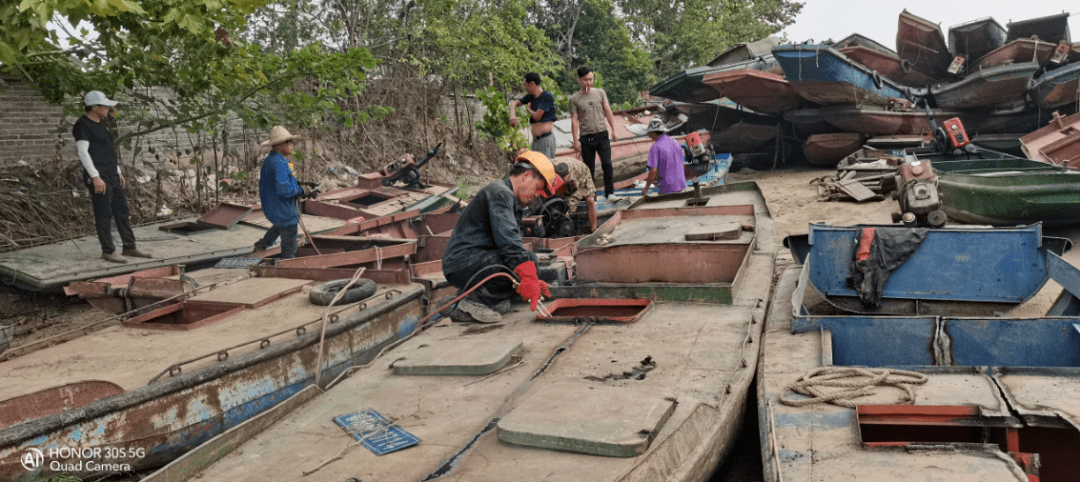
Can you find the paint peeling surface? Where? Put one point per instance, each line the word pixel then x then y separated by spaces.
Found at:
pixel 697 358
pixel 149 425
pixel 998 392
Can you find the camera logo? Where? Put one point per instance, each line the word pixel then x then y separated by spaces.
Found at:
pixel 32 459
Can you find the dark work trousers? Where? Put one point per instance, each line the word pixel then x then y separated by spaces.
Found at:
pixel 592 144
pixel 482 265
pixel 111 206
pixel 288 240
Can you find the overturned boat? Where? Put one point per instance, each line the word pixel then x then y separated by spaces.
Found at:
pixel 822 75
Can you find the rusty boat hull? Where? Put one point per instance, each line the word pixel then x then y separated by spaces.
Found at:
pixel 764 92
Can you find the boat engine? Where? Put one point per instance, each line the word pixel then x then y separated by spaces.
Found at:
pixel 698 155
pixel 548 219
pixel 920 204
pixel 407 170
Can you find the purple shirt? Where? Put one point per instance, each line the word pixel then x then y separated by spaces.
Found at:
pixel 666 155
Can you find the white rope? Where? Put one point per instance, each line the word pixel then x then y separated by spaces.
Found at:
pixel 814 383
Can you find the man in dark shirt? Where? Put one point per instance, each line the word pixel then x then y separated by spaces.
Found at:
pixel 541 107
pixel 95 144
pixel 487 240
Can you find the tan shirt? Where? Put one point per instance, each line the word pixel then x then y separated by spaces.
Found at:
pixel 579 172
pixel 590 111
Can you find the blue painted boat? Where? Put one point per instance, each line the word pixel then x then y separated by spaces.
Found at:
pixel 952 255
pixel 972 397
pixel 1057 87
pixel 823 75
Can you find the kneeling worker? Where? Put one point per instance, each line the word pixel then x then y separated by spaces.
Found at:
pixel 487 240
pixel 578 185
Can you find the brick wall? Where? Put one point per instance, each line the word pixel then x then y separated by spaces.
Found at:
pixel 33 130
pixel 29 126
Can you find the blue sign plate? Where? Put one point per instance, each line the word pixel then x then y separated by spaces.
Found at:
pixel 373 431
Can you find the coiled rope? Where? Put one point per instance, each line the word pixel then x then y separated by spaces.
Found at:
pixel 849 383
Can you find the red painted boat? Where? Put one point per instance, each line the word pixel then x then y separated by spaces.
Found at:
pixel 878 121
pixel 827 150
pixel 761 91
pixel 1019 50
pixel 1057 143
pixel 920 42
pixel 743 137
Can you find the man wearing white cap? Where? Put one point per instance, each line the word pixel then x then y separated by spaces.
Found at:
pixel 96 146
pixel 278 191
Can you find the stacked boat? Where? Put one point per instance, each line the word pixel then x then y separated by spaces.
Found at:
pixel 828 98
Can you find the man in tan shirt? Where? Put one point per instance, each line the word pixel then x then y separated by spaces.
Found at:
pixel 589 109
pixel 577 186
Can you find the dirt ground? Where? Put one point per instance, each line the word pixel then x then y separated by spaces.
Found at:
pixel 790 194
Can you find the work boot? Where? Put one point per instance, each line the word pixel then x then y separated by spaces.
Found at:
pixel 503 307
pixel 478 311
pixel 113 258
pixel 135 253
pixel 258 248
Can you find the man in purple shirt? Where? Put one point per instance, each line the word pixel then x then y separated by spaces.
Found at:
pixel 665 161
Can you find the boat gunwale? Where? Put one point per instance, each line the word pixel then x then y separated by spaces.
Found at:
pixel 44 425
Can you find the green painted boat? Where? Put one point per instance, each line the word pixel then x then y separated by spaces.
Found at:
pixel 1008 191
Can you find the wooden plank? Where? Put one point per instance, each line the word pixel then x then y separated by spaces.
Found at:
pixel 856 190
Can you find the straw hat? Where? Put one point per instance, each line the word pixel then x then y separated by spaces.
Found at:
pixel 656 125
pixel 278 135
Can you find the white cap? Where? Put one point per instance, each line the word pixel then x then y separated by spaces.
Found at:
pixel 97 97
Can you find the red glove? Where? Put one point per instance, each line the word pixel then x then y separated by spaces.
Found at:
pixel 531 287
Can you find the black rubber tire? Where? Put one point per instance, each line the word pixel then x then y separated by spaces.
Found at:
pixel 325 292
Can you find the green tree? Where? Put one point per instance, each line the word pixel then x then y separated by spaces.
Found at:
pixel 692 32
pixel 604 44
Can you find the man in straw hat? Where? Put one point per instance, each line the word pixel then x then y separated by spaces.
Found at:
pixel 665 161
pixel 487 240
pixel 278 191
pixel 95 144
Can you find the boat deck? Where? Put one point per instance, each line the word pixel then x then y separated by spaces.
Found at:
pixel 130 356
pixel 697 349
pixel 51 266
pixel 827 442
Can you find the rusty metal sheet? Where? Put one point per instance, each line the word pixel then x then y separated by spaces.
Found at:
pixel 426 268
pixel 350 257
pixel 104 286
pixel 388 276
pixel 225 215
pixel 54 400
pixel 431 248
pixel 440 223
pixel 314 274
pixel 569 310
pixel 330 210
pixel 186 315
